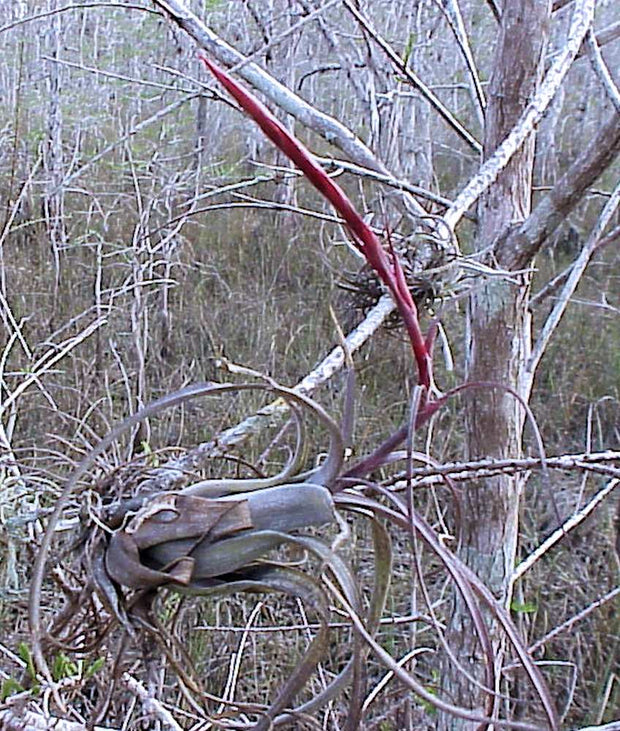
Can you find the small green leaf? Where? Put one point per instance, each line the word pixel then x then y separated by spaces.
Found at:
pixel 63 667
pixel 24 652
pixel 94 668
pixel 10 687
pixel 408 48
pixel 428 707
pixel 524 607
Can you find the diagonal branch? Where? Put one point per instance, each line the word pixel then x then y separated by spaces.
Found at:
pixel 521 245
pixel 601 70
pixel 414 80
pixel 561 532
pixel 176 471
pixel 454 17
pixel 323 124
pixel 573 280
pixel 552 286
pixel 489 171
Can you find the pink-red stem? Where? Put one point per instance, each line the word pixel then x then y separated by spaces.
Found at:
pixel 390 272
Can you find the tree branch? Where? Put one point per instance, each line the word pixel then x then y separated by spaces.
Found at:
pixel 176 471
pixel 479 469
pixel 413 79
pixel 521 245
pixel 601 70
pixel 490 170
pixel 323 124
pixel 561 532
pixel 572 281
pixel 552 287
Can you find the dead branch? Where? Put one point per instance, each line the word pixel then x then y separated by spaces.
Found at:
pixel 413 79
pixel 13 720
pixel 601 70
pixel 521 245
pixel 329 128
pixel 572 281
pixel 489 171
pixel 434 474
pixel 177 471
pixel 562 531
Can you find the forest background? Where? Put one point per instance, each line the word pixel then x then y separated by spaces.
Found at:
pixel 150 233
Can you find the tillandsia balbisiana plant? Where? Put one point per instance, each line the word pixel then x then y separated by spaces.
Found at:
pixel 216 536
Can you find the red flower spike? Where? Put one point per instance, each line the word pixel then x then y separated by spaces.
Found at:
pixel 390 273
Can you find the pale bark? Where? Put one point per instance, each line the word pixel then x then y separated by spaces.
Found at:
pixel 177 471
pixel 498 337
pixel 522 123
pixel 329 128
pixel 53 159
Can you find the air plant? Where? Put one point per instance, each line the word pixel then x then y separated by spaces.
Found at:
pixel 216 536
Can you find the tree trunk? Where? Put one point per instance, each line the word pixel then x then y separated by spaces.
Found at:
pixel 498 342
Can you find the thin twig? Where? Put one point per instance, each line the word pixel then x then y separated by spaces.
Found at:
pixel 151 705
pixel 160 114
pixel 118 77
pixel 573 280
pixel 601 70
pixel 76 6
pixel 562 531
pixel 282 36
pixel 413 79
pixel 50 358
pixel 434 474
pixel 572 621
pixel 455 19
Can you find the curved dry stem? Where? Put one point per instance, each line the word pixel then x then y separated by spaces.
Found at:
pixel 466 582
pixel 410 682
pixel 327 472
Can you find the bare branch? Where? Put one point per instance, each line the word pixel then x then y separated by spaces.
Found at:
pixel 329 128
pixel 133 131
pixel 524 242
pixel 572 281
pixel 150 704
pixel 430 97
pixel 455 19
pixel 565 626
pixel 282 36
pixel 601 70
pixel 76 6
pixel 552 287
pixel 565 528
pixel 434 474
pixel 608 34
pixel 495 9
pixel 389 180
pixel 52 356
pixel 489 171
pixel 110 75
pixel 176 471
